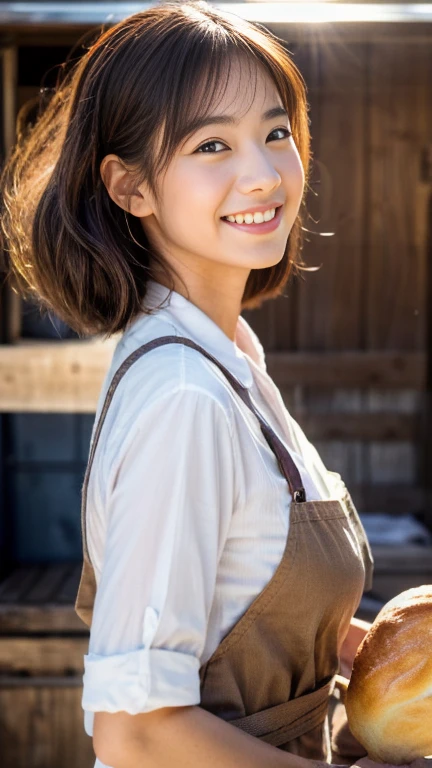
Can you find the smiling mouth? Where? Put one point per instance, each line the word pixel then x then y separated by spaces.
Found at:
pixel 262 228
pixel 252 223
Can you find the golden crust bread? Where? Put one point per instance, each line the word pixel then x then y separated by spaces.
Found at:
pixel 389 698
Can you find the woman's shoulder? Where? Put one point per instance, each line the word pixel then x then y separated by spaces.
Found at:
pixel 159 372
pixel 172 382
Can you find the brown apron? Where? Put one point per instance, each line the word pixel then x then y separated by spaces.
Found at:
pixel 274 674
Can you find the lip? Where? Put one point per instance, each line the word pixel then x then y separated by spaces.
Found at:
pixel 259 229
pixel 257 208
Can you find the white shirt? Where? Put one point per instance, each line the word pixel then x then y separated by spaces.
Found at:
pixel 187 510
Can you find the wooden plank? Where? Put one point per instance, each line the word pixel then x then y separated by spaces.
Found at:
pixel 16 586
pixel 67 593
pixel 66 376
pixel 359 426
pixel 68 681
pixel 49 618
pixel 35 584
pixel 49 583
pixel 330 302
pixel 43 655
pixel 54 376
pixel 41 599
pixel 342 370
pixel 42 727
pixel 400 128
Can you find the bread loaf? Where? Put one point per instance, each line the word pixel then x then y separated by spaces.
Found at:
pixel 389 697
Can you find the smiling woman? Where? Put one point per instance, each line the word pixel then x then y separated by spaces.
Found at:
pixel 129 97
pixel 160 194
pixel 251 166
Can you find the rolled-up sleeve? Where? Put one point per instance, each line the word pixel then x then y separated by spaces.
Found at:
pixel 168 513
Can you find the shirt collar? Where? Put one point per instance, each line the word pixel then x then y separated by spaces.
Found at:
pixel 195 324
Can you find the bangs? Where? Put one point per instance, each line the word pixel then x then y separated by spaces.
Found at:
pixel 205 72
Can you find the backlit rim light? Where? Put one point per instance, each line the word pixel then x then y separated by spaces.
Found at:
pixel 282 11
pixel 325 11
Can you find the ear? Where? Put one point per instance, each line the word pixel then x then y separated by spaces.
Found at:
pixel 122 188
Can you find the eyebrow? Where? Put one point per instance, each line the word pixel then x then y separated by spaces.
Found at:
pixel 270 114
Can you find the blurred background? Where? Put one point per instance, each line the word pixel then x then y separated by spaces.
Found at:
pixel 349 344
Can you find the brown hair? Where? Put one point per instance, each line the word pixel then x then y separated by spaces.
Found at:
pixel 70 247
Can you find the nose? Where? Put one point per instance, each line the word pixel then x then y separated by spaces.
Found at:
pixel 257 171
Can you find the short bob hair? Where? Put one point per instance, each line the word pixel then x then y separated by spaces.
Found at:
pixel 68 245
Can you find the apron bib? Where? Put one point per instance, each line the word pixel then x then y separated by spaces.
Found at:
pixel 274 674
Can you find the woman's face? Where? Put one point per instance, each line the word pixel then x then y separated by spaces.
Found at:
pixel 248 164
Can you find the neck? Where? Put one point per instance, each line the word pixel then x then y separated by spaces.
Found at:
pixel 221 301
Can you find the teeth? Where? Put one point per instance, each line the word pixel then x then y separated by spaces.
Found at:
pixel 252 218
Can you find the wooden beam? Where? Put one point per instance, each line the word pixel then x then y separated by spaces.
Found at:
pixel 65 376
pixel 53 376
pixel 346 370
pixel 51 619
pixel 43 655
pixel 381 427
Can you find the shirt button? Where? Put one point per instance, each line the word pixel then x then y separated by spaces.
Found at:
pixel 151 621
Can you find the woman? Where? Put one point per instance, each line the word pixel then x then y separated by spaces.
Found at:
pixel 223 563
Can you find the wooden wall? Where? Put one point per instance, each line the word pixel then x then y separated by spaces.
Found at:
pixel 371 185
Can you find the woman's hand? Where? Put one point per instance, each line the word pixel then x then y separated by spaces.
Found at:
pixel 358 629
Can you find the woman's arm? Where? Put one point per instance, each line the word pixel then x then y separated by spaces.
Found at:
pixel 184 737
pixel 191 737
pixel 166 513
pixel 358 629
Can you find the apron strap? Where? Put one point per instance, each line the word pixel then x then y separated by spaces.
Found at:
pixel 284 722
pixel 286 463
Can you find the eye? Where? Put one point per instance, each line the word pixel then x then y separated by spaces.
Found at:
pixel 208 144
pixel 285 130
pixel 203 148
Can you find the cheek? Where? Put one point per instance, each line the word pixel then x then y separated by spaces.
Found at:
pixel 195 194
pixel 192 199
pixel 294 177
